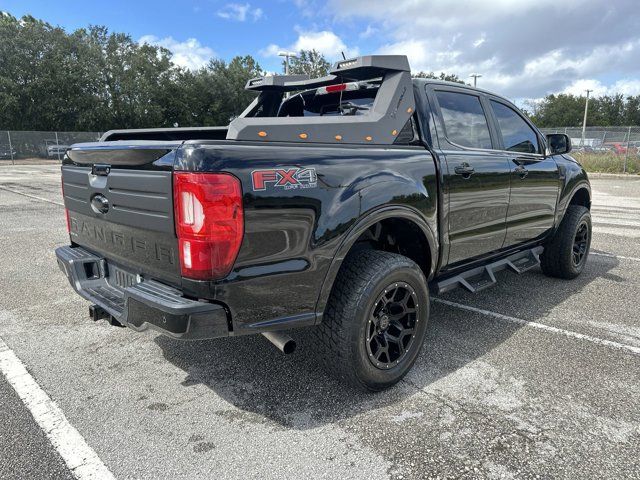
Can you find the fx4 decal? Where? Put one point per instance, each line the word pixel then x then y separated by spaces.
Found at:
pixel 287 178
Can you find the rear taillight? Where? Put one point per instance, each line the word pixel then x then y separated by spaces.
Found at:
pixel 209 223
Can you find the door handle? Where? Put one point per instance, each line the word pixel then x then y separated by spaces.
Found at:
pixel 522 171
pixel 464 169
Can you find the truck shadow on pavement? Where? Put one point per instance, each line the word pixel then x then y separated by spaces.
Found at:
pixel 294 391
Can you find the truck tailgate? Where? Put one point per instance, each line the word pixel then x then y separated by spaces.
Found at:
pixel 124 214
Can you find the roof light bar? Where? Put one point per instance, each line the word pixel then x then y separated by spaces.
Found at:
pixel 347 64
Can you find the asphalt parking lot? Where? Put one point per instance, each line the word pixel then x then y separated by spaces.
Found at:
pixel 534 378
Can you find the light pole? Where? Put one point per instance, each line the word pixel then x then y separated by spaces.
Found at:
pixel 475 76
pixel 584 122
pixel 287 56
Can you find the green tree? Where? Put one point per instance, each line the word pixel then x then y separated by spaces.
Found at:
pixel 216 94
pixel 87 80
pixel 610 110
pixel 38 65
pixel 632 110
pixel 131 79
pixel 568 110
pixel 93 79
pixel 309 62
pixel 448 77
pixel 558 110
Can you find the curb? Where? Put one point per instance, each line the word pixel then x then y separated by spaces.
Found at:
pixel 629 176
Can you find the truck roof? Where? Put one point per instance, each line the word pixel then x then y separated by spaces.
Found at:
pixel 435 81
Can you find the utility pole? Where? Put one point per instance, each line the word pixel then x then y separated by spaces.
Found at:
pixel 626 152
pixel 475 76
pixel 10 147
pixel 57 146
pixel 287 56
pixel 584 122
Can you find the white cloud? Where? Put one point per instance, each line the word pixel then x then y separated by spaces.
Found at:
pixel 553 71
pixel 240 12
pixel 326 42
pixel 270 50
pixel 598 89
pixel 480 40
pixel 446 13
pixel 627 86
pixel 369 32
pixel 579 87
pixel 189 54
pixel 416 50
pixel 523 49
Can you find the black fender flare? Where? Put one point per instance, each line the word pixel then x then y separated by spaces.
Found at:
pixel 566 198
pixel 389 211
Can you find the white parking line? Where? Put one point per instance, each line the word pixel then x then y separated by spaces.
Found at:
pixel 541 326
pixel 83 462
pixel 42 199
pixel 611 255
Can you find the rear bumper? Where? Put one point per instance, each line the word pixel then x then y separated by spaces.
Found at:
pixel 137 303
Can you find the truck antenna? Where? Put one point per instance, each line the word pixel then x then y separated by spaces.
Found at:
pixel 343 56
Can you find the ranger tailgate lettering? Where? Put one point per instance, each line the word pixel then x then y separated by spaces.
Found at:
pixel 101 235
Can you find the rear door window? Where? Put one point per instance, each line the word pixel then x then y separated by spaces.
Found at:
pixel 517 135
pixel 464 120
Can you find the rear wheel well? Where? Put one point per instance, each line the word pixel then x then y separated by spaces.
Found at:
pixel 581 197
pixel 398 235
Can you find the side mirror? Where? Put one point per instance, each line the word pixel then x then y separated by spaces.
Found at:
pixel 558 143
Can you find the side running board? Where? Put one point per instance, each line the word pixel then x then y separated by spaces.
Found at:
pixel 483 277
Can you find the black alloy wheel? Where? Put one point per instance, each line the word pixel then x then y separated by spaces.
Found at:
pixel 580 244
pixel 392 324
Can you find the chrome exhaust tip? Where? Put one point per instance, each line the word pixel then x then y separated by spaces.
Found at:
pixel 284 343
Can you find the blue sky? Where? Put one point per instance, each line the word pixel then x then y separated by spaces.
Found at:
pixel 524 49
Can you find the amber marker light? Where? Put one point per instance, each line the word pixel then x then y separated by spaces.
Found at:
pixel 338 137
pixel 262 134
pixel 409 110
pixel 303 136
pixel 394 133
pixel 368 138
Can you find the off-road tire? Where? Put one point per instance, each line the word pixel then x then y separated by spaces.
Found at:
pixel 341 338
pixel 557 259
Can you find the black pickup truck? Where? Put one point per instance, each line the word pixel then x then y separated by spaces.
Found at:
pixel 337 203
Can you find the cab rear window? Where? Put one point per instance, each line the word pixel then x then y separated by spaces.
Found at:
pixel 319 102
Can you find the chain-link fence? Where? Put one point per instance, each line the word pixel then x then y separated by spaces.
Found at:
pixel 601 137
pixel 605 149
pixel 20 146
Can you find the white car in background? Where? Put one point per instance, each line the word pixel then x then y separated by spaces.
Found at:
pixel 56 151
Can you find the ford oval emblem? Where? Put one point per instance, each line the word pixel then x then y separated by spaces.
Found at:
pixel 100 204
